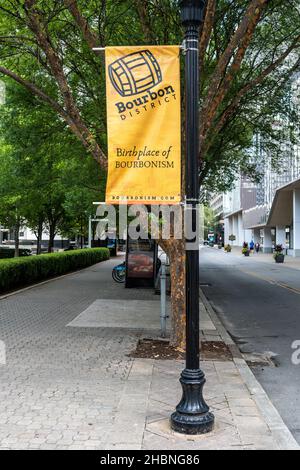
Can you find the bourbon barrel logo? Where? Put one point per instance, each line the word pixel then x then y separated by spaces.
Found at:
pixel 135 73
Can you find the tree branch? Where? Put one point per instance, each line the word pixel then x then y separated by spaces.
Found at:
pixel 206 30
pixel 36 91
pixel 237 47
pixel 90 37
pixel 14 14
pixel 36 26
pixel 53 104
pixel 230 110
pixel 141 6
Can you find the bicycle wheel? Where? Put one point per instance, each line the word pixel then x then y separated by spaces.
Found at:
pixel 118 276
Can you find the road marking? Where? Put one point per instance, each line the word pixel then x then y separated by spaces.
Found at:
pixel 292 289
pixel 272 282
pixel 258 276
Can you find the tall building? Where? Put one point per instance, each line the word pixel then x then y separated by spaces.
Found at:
pixel 268 212
pixel 220 203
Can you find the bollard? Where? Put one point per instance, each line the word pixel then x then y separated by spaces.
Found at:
pixel 163 301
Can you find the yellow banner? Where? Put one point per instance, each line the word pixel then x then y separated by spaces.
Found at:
pixel 144 133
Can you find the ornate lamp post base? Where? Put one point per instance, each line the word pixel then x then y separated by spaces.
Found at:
pixel 192 415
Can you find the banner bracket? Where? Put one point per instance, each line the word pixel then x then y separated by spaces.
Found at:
pixel 185 48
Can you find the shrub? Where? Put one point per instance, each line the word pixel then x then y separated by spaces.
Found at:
pixel 10 252
pixel 19 272
pixel 278 252
pixel 245 249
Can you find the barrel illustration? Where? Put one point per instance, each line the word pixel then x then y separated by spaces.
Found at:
pixel 135 73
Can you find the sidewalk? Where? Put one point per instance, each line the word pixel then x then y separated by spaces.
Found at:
pixel 68 382
pixel 289 261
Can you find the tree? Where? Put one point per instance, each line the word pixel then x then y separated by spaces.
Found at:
pixel 209 221
pixel 248 53
pixel 42 165
pixel 11 198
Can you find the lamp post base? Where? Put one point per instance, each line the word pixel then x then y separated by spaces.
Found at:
pixel 192 415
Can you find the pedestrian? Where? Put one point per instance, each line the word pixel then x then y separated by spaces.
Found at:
pixel 251 246
pixel 257 247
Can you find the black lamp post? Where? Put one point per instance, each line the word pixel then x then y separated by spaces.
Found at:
pixel 192 415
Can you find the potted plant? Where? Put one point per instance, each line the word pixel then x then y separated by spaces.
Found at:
pixel 227 248
pixel 245 249
pixel 278 254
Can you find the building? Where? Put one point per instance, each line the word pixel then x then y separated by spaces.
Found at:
pixel 269 212
pixel 217 203
pixel 3 234
pixel 265 212
pixel 28 238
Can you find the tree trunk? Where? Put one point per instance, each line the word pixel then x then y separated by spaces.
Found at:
pixel 17 240
pixel 93 234
pixel 175 250
pixel 39 238
pixel 178 301
pixel 51 238
pixel 81 234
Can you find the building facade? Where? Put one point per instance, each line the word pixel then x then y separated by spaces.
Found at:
pixel 268 212
pixel 271 220
pixel 28 239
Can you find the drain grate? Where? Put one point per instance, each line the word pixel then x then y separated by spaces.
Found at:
pixel 267 359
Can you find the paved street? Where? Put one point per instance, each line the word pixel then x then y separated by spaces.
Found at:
pixel 259 303
pixel 68 382
pixel 61 385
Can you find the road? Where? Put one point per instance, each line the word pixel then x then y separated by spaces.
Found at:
pixel 259 303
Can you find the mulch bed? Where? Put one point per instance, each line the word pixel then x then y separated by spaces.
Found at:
pixel 149 348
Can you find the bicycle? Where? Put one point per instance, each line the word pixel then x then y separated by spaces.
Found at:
pixel 119 273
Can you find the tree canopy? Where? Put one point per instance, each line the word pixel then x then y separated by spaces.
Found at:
pixel 46 178
pixel 249 52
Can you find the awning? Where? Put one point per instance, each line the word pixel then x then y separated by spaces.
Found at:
pixel 282 208
pixel 233 213
pixel 260 226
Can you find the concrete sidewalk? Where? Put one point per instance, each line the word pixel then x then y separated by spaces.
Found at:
pixel 72 385
pixel 289 261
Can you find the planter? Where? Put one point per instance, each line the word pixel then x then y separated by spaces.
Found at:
pixel 279 258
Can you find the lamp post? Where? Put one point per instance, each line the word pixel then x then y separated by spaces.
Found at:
pixel 192 415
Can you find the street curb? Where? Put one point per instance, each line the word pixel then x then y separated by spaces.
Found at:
pixel 278 428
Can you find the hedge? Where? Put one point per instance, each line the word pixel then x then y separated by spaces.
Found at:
pixel 19 272
pixel 10 252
